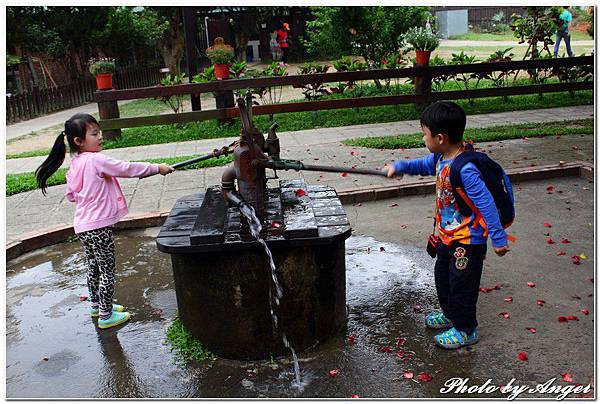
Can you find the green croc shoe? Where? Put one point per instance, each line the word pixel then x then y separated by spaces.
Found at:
pixel 437 320
pixel 115 319
pixel 96 312
pixel 453 339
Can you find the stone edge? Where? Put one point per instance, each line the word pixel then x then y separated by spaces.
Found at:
pixel 52 235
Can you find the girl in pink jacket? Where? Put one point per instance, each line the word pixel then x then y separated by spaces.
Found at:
pixel 99 203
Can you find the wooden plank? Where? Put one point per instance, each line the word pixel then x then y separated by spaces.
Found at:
pixel 209 226
pixel 224 85
pixel 338 104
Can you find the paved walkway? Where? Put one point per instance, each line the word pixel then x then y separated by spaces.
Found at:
pixel 30 211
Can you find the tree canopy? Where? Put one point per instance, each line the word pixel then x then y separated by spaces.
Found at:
pixel 373 32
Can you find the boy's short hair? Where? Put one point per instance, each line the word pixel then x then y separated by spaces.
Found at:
pixel 445 117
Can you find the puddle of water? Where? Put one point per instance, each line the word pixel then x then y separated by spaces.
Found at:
pixel 54 348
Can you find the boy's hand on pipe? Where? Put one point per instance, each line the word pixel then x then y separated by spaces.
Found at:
pixel 165 169
pixel 391 171
pixel 500 251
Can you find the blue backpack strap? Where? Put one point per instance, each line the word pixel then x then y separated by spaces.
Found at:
pixel 468 156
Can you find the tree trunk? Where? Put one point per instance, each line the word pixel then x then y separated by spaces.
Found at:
pixel 172 47
pixel 243 29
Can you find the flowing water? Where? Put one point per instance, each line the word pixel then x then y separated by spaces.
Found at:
pixel 255 229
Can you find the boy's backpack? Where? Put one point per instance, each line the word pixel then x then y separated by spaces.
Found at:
pixel 495 180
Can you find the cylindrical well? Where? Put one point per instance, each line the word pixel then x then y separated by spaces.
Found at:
pixel 223 298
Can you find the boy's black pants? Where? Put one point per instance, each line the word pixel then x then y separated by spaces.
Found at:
pixel 457 275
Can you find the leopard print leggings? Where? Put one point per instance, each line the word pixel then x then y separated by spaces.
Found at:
pixel 99 249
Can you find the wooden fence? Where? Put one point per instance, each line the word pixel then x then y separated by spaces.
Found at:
pixel 423 94
pixel 24 106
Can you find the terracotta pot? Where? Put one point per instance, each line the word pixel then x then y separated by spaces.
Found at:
pixel 104 81
pixel 423 57
pixel 221 71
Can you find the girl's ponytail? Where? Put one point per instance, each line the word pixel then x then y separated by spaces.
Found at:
pixel 52 162
pixel 75 128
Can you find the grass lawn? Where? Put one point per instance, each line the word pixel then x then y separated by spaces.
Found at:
pixel 492 133
pixel 509 36
pixel 331 118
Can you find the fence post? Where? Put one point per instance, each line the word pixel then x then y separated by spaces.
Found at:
pixel 109 110
pixel 423 86
pixel 224 99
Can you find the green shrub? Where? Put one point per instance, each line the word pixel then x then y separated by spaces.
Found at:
pixel 102 66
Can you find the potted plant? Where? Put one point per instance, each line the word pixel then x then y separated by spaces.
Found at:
pixel 222 56
pixel 423 41
pixel 103 69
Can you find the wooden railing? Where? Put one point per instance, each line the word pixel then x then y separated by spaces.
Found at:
pixel 38 102
pixel 422 94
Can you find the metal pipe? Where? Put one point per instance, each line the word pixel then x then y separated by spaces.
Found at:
pixel 192 161
pixel 332 169
pixel 298 165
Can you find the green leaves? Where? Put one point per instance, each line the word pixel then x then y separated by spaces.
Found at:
pixel 187 347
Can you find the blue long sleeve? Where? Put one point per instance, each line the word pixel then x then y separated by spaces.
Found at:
pixel 482 199
pixel 421 166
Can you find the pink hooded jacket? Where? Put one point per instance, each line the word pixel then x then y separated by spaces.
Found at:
pixel 93 186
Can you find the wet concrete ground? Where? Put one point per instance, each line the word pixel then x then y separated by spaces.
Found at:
pixel 55 350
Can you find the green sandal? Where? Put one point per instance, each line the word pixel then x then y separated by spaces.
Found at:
pixel 453 339
pixel 437 320
pixel 116 307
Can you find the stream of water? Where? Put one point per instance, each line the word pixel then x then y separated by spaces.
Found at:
pixel 255 229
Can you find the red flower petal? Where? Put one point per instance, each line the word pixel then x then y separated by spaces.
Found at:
pixel 508 299
pixel 408 375
pixel 400 341
pixel 558 254
pixel 83 298
pixel 351 339
pixel 344 174
pixel 352 153
pixel 572 318
pixel 381 248
pixel 547 225
pixel 385 349
pixel 355 396
pixel 393 205
pixel 300 192
pixel 549 188
pixel 276 224
pixel 576 260
pixel 523 356
pixel 567 377
pixel 562 319
pixel 400 353
pixel 540 302
pixel 531 284
pixel 425 377
pixel 334 372
pixel 565 241
pixel 585 311
pixel 531 330
pixel 498 286
pixel 505 314
pixel 549 241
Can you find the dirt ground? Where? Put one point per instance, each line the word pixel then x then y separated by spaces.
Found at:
pixel 55 350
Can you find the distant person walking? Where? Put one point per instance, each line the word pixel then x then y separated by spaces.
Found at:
pixel 284 42
pixel 562 32
pixel 275 49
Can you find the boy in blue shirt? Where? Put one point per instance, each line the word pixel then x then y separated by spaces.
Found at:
pixel 463 244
